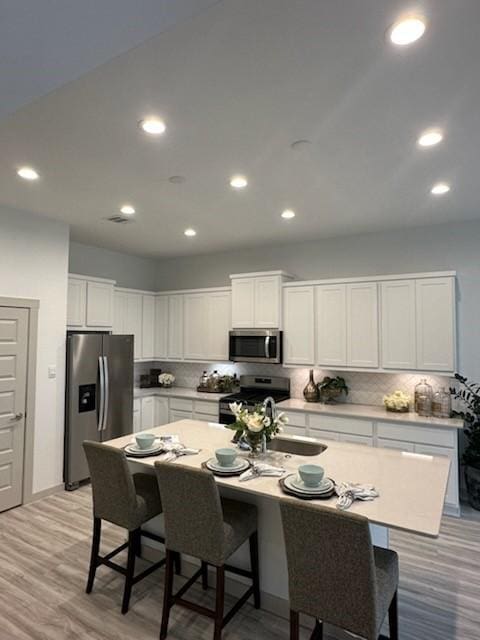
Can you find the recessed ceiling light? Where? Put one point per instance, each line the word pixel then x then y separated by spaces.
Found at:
pixel 153 126
pixel 190 232
pixel 407 30
pixel 238 182
pixel 127 209
pixel 288 214
pixel 440 189
pixel 28 173
pixel 430 138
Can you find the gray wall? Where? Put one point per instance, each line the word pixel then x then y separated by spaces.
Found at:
pixel 129 271
pixel 435 248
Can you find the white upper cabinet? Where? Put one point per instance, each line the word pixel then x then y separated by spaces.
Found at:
pixel 435 298
pixel 161 327
pixel 267 302
pixel 257 300
pixel 362 324
pixel 99 304
pixel 298 321
pixel 219 323
pixel 119 312
pixel 243 303
pixel 90 303
pixel 196 326
pixel 134 322
pixel 331 325
pixel 77 294
pixel 399 349
pixel 148 327
pixel 175 327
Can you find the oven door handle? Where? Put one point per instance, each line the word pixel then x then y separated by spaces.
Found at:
pixel 267 347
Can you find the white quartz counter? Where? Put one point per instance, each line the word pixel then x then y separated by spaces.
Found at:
pixel 400 477
pixel 177 392
pixel 367 412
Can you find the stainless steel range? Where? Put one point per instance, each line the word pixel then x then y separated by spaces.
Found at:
pixel 253 391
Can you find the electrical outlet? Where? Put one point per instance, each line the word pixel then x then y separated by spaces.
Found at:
pixel 52 371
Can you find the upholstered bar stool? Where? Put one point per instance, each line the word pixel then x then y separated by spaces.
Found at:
pixel 335 573
pixel 201 524
pixel 125 499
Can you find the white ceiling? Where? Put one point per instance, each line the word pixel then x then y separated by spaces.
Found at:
pixel 45 44
pixel 236 85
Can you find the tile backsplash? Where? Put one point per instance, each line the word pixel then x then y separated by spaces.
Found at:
pixel 365 388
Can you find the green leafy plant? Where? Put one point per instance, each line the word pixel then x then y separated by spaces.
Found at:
pixel 332 387
pixel 468 393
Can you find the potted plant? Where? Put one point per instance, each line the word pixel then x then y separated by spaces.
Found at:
pixel 468 394
pixel 255 427
pixel 332 388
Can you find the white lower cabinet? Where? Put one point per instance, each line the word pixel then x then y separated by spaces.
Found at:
pixel 400 445
pixel 161 411
pixel 137 415
pixel 148 413
pixel 178 414
pixel 355 439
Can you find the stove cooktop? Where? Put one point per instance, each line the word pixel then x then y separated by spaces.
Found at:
pixel 255 396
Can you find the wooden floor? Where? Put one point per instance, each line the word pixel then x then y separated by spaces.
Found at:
pixel 44 550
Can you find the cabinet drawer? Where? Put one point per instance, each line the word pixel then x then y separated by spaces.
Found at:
pixel 206 406
pixel 342 425
pixel 182 404
pixel 354 439
pixel 295 418
pixel 400 445
pixel 177 414
pixel 320 434
pixel 423 435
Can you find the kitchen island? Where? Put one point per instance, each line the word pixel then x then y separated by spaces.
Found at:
pixel 412 490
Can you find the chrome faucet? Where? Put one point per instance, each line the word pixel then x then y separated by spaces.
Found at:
pixel 270 407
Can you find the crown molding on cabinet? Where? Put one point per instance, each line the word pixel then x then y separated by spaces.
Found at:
pixel 389 278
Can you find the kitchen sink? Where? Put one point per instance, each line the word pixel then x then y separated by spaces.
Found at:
pixel 296 447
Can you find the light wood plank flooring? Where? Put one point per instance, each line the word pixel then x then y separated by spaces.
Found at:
pixel 44 549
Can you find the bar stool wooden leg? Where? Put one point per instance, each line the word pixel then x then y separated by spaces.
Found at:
pixel 167 594
pixel 393 617
pixel 294 625
pixel 178 564
pixel 138 542
pixel 132 546
pixel 97 528
pixel 204 576
pixel 317 633
pixel 220 602
pixel 255 569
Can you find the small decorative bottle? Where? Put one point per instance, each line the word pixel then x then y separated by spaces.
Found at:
pixel 311 393
pixel 442 404
pixel 204 380
pixel 423 398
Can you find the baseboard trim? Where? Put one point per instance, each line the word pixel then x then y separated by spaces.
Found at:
pixel 43 494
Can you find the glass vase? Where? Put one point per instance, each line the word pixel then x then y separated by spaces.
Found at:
pixel 257 443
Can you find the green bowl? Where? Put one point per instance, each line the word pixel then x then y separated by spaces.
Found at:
pixel 311 474
pixel 226 457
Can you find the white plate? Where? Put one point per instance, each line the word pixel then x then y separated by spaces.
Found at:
pixel 295 483
pixel 239 465
pixel 135 449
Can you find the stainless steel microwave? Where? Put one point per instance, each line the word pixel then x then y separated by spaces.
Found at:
pixel 256 345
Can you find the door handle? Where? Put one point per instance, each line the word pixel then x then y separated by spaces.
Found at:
pixel 102 393
pixel 107 391
pixel 17 417
pixel 267 347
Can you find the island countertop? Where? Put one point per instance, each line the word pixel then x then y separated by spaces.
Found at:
pixel 412 486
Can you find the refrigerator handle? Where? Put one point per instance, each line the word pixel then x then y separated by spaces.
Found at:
pixel 101 406
pixel 107 393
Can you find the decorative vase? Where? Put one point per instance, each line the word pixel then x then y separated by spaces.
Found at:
pixel 257 443
pixel 472 480
pixel 311 393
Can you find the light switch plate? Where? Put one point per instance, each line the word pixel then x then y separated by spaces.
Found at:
pixel 52 371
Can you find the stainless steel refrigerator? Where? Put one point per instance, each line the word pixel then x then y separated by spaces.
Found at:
pixel 99 396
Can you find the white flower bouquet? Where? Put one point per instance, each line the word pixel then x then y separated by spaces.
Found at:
pixel 166 379
pixel 397 401
pixel 255 427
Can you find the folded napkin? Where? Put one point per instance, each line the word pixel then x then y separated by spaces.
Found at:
pixel 172 452
pixel 347 492
pixel 261 469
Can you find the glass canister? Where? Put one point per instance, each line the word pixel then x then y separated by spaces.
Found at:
pixel 425 390
pixel 423 398
pixel 442 404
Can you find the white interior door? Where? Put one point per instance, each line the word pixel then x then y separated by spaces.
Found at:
pixel 13 376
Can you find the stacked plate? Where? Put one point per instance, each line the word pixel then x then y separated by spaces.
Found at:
pixel 134 450
pixel 294 485
pixel 239 466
